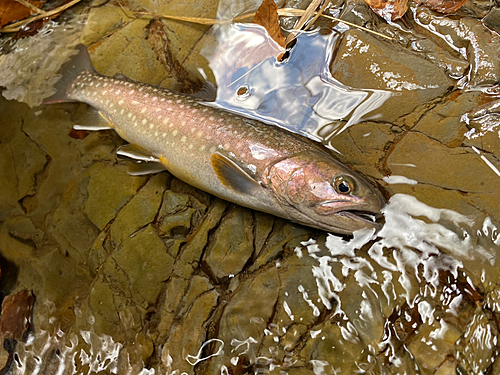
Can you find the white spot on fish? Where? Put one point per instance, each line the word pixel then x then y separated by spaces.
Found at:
pixel 99 84
pixel 131 92
pixel 120 102
pixel 199 134
pixel 135 102
pixel 192 130
pixel 121 112
pixel 190 146
pixel 144 121
pixel 212 149
pixel 178 101
pixel 143 109
pixel 211 118
pixel 105 84
pixel 174 133
pixel 151 126
pixel 129 115
pixel 181 106
pixel 118 92
pixel 183 123
pixel 202 148
pixel 155 98
pixel 205 109
pixel 169 101
pixel 165 121
pixel 156 134
pixel 111 105
pixel 164 135
pixel 91 84
pixel 105 92
pixel 157 109
pixel 141 88
pixel 146 95
pixel 183 139
pixel 162 99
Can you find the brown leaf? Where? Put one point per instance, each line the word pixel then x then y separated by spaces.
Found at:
pixel 78 134
pixel 16 314
pixel 11 10
pixel 444 6
pixel 267 16
pixel 389 10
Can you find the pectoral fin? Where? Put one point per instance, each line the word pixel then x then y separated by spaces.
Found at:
pixel 93 120
pixel 233 176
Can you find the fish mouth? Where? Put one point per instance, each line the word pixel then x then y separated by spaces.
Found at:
pixel 364 216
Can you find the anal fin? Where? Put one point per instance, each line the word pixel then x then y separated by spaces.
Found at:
pixel 142 161
pixel 233 176
pixel 145 167
pixel 93 119
pixel 136 153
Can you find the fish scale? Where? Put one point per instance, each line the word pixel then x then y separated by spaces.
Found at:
pixel 235 158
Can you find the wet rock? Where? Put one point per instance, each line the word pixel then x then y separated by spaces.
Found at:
pixel 363 61
pixel 101 21
pixel 109 189
pixel 433 343
pixel 471 35
pixel 232 245
pixel 185 349
pixel 71 228
pixel 141 210
pixel 127 52
pixel 97 254
pixel 443 123
pixel 477 348
pixel 283 233
pixel 190 255
pixel 245 317
pixel 492 20
pixel 421 151
pixel 176 288
pixel 146 263
pixel 448 367
pixel 363 146
pixel 330 340
pixel 180 220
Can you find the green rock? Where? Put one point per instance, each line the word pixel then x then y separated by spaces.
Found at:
pixel 232 245
pixel 141 210
pixel 145 261
pixel 181 219
pixel 109 189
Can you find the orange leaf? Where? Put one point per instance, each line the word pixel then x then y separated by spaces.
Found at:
pixel 390 10
pixel 16 313
pixel 267 16
pixel 11 10
pixel 444 6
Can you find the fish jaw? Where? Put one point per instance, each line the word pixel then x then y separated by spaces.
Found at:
pixel 305 186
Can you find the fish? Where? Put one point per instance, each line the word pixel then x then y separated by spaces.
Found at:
pixel 241 160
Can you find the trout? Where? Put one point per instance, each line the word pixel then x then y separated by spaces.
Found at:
pixel 248 162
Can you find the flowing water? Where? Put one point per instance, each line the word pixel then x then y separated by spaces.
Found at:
pixel 137 275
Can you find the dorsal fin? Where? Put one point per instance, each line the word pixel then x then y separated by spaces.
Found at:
pixel 233 176
pixel 208 92
pixel 93 119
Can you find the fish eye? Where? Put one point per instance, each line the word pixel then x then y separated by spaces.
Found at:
pixel 343 185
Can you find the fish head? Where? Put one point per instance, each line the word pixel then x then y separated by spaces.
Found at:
pixel 319 191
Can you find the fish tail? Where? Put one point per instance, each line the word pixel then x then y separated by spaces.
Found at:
pixel 69 72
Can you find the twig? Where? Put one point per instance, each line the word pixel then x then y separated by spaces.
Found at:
pixel 318 14
pixel 31 6
pixel 15 27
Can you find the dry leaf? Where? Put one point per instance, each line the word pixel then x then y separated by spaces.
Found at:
pixel 444 6
pixel 390 10
pixel 16 314
pixel 267 16
pixel 11 10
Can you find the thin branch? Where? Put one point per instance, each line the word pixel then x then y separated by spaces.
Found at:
pixel 15 27
pixel 31 6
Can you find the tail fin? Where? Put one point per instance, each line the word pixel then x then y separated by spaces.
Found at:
pixel 69 71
